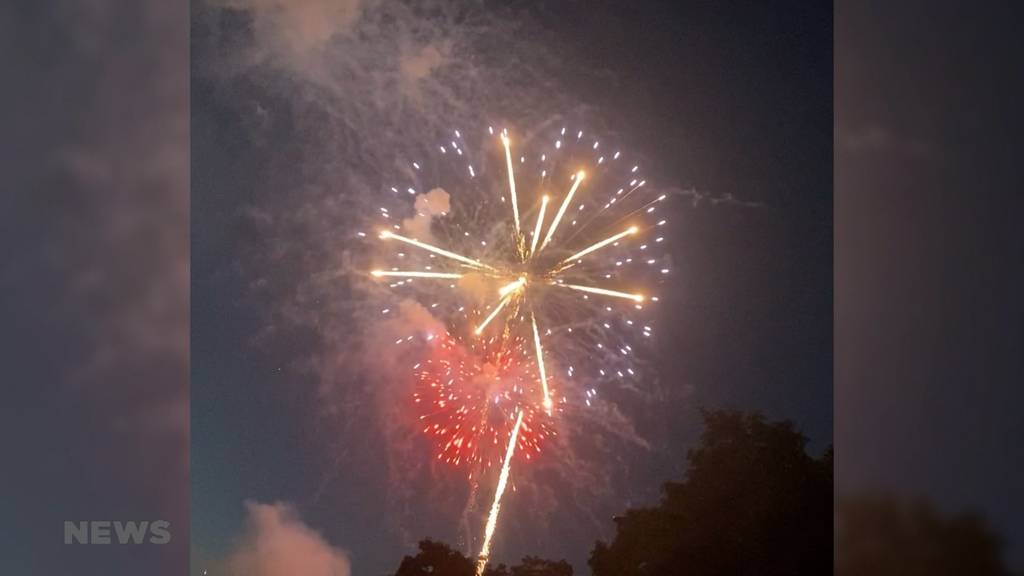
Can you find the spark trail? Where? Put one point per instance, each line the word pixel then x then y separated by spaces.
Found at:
pixel 492 518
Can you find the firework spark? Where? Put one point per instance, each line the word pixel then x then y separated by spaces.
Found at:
pixel 598 245
pixel 501 304
pixel 540 364
pixel 540 222
pixel 561 210
pixel 492 518
pixel 604 292
pixel 511 183
pixel 467 395
pixel 414 274
pixel 387 235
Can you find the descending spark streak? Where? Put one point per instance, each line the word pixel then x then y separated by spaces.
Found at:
pixel 511 182
pixel 601 244
pixel 540 222
pixel 386 235
pixel 492 518
pixel 603 292
pixel 501 304
pixel 562 209
pixel 540 364
pixel 414 274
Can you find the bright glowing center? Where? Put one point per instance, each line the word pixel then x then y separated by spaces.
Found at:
pixel 513 286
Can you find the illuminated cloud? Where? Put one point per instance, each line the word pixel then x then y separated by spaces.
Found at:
pixel 278 543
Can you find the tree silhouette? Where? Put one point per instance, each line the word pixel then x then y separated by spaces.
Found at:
pixel 752 502
pixel 883 536
pixel 533 566
pixel 438 559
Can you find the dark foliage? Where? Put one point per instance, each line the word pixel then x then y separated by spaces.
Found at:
pixel 533 566
pixel 438 559
pixel 752 502
pixel 882 536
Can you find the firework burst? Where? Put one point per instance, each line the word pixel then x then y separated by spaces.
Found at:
pixel 540 265
pixel 468 394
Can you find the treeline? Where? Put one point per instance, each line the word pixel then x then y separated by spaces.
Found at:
pixel 754 502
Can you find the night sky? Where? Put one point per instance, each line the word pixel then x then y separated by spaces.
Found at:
pixel 95 282
pixel 734 102
pixel 929 276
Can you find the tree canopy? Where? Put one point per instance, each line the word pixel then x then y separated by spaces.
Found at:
pixel 752 502
pixel 883 536
pixel 438 559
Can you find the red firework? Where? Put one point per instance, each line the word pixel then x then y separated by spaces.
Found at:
pixel 468 400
